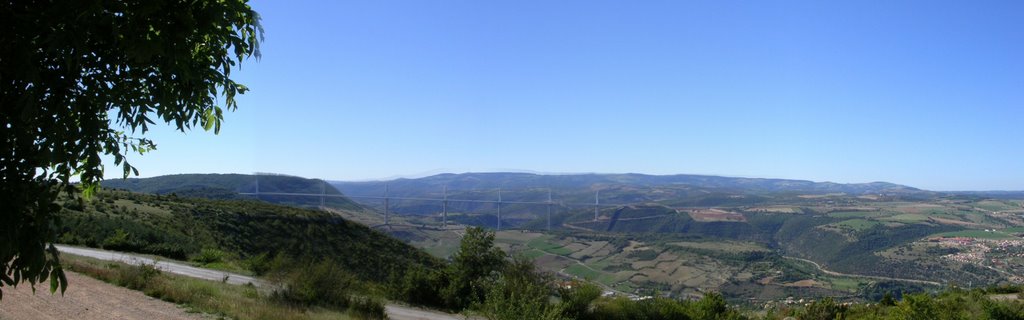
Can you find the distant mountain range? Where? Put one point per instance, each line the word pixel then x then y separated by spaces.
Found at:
pixel 477 192
pixel 565 189
pixel 514 181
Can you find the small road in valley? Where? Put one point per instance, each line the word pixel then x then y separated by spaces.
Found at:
pixel 840 274
pixel 394 311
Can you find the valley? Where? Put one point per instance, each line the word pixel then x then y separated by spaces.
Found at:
pixel 759 247
pixel 755 245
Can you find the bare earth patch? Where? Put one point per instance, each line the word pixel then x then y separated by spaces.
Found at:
pixel 713 215
pixel 86 299
pixel 775 209
pixel 766 280
pixel 804 284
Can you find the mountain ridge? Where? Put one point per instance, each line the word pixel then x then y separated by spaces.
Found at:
pixel 482 180
pixel 233 186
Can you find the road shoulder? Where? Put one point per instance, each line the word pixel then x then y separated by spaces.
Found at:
pixel 87 299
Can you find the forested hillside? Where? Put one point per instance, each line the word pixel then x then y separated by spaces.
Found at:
pixel 232 186
pixel 246 234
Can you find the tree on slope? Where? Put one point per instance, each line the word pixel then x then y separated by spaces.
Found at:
pixel 79 79
pixel 474 267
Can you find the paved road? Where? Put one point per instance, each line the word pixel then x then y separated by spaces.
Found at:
pixel 833 273
pixel 166 266
pixel 396 312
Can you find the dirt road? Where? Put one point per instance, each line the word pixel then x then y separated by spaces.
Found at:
pixel 87 299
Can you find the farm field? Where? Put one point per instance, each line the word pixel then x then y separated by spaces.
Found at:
pixel 993 205
pixel 858 214
pixel 855 224
pixel 979 234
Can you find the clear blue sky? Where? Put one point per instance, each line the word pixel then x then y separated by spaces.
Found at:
pixel 925 93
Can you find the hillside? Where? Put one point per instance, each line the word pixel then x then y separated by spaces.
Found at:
pixel 231 186
pixel 233 234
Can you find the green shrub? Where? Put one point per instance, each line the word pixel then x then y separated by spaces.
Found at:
pixel 259 264
pixel 711 307
pixel 650 308
pixel 323 284
pixel 917 307
pixel 136 277
pixel 576 300
pixel 473 267
pixel 520 293
pixel 421 286
pixel 1004 310
pixel 887 300
pixel 117 241
pixel 1004 289
pixel 825 309
pixel 367 308
pixel 209 256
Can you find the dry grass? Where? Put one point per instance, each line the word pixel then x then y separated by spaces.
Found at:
pixel 236 302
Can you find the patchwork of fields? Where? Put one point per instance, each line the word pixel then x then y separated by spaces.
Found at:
pixel 680 267
pixel 640 249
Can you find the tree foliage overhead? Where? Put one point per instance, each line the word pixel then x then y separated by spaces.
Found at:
pixel 79 79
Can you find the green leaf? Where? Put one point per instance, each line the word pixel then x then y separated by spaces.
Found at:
pixel 54 282
pixel 63 281
pixel 88 190
pixel 210 120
